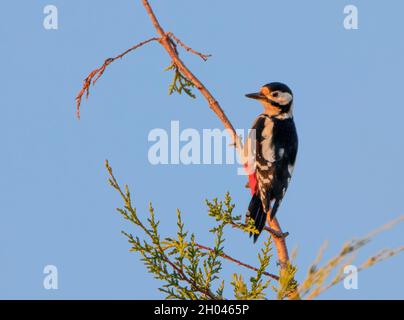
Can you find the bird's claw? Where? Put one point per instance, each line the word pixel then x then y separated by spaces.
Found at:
pixel 276 233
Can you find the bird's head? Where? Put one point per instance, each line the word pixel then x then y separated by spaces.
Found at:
pixel 277 99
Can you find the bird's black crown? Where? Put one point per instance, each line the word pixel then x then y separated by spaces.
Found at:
pixel 278 86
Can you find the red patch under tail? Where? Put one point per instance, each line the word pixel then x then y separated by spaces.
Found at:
pixel 252 180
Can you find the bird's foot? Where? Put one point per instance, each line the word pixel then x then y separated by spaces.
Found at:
pixel 276 233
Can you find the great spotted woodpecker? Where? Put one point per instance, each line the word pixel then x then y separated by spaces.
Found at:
pixel 272 152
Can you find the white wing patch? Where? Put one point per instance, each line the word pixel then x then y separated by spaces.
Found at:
pixel 281 153
pixel 290 169
pixel 267 148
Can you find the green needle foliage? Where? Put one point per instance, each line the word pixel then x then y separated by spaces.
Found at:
pixel 258 284
pixel 180 83
pixel 287 285
pixel 189 270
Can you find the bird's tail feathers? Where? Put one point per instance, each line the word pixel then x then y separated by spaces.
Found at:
pixel 257 213
pixel 274 209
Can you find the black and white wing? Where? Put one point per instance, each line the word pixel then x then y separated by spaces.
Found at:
pixel 285 145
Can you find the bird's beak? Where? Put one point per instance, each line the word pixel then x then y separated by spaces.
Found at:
pixel 256 96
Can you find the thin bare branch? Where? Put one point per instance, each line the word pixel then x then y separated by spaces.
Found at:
pixel 94 75
pixel 204 57
pixel 280 242
pixel 225 256
pixel 166 42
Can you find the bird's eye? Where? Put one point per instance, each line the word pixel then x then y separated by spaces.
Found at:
pixel 275 94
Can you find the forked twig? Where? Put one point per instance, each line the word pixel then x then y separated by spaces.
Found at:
pixel 204 57
pixel 94 75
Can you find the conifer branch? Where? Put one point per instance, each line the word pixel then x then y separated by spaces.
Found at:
pixel 154 255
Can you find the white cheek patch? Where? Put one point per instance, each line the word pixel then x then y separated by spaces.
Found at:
pixel 284 98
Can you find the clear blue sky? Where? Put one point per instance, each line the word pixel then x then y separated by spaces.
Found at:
pixel 56 206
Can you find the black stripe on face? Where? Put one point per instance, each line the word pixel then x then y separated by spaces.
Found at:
pixel 274 103
pixel 283 107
